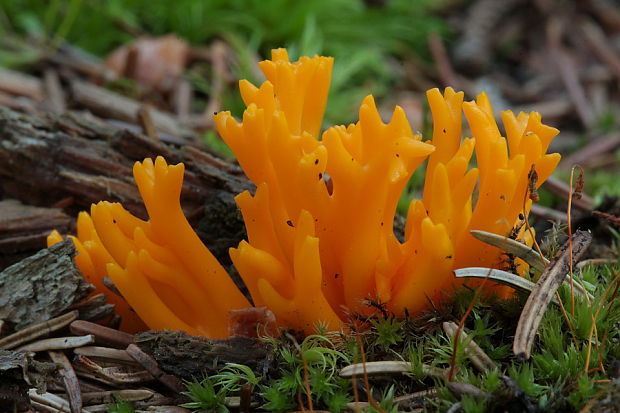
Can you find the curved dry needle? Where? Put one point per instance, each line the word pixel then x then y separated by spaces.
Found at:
pixel 502 277
pixel 527 254
pixel 511 280
pixel 543 292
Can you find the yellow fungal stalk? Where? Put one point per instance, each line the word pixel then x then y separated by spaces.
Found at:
pixel 160 267
pixel 320 223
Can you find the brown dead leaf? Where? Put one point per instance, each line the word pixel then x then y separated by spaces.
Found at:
pixel 153 62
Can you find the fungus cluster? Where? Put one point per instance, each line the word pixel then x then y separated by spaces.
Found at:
pixel 320 223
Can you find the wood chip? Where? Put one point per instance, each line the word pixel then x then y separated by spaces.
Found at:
pixel 58 343
pixel 30 333
pixel 541 295
pixel 104 336
pixel 477 356
pixel 94 307
pixel 527 254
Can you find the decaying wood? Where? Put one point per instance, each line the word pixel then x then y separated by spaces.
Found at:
pixel 46 159
pixel 94 308
pixel 42 286
pixel 541 296
pixel 186 356
pixel 150 364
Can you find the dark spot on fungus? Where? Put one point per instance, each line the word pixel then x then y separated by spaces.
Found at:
pixel 381 223
pixel 114 221
pixel 448 257
pixel 502 197
pixel 316 161
pixel 336 275
pixel 215 113
pixel 521 217
pixel 289 223
pixel 415 251
pixel 397 155
pixel 320 175
pixel 444 131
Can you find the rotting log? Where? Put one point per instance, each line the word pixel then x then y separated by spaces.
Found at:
pixel 76 160
pixel 42 286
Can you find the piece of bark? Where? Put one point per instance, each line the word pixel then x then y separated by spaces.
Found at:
pixel 42 286
pixel 24 229
pixel 94 308
pixel 187 356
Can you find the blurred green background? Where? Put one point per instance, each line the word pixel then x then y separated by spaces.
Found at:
pixel 369 38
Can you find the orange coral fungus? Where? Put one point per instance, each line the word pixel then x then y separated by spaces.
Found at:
pixel 320 224
pixel 160 267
